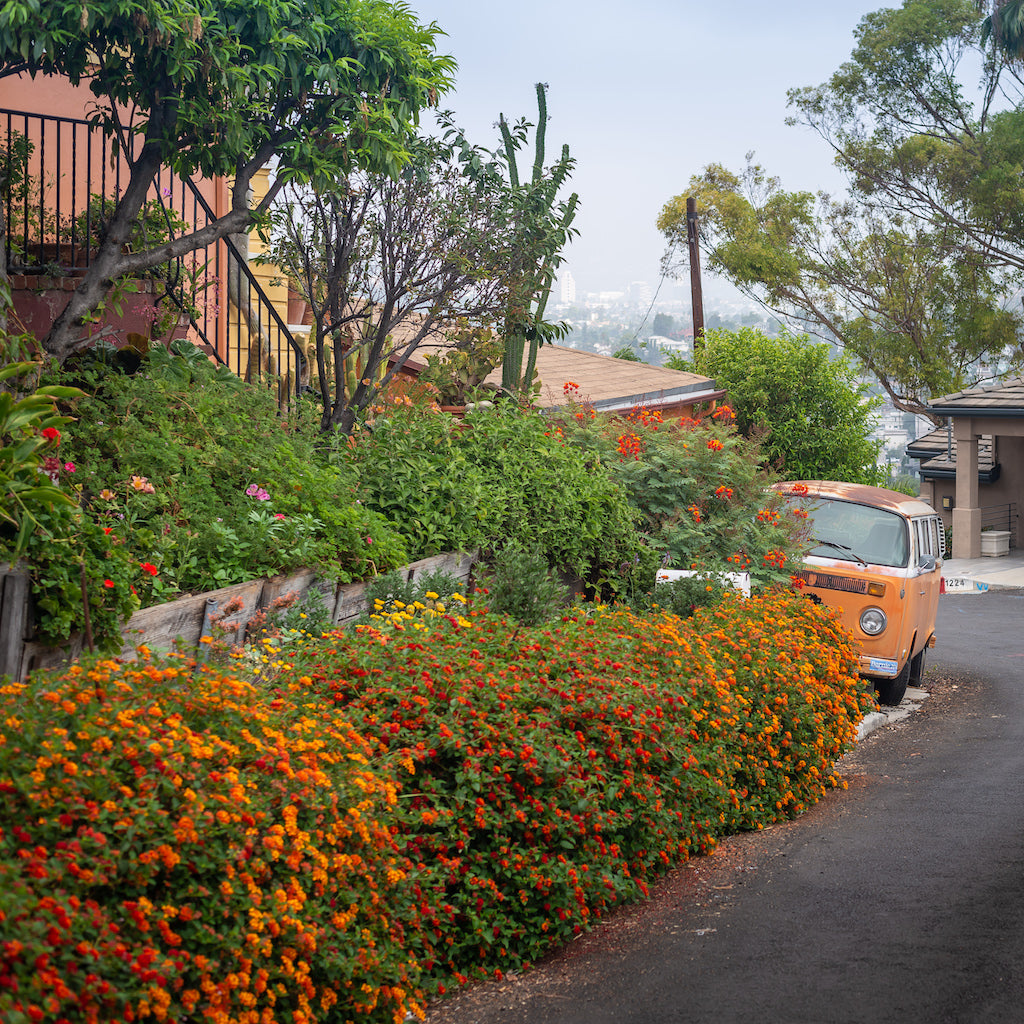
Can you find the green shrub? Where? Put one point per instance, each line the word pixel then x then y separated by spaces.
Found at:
pixel 700 488
pixel 502 475
pixel 518 583
pixel 198 474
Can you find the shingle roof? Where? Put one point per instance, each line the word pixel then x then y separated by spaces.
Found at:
pixel 1005 399
pixel 937 452
pixel 609 383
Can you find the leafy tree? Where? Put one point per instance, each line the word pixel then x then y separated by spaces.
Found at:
pixel 221 87
pixel 543 225
pixel 811 415
pixel 664 325
pixel 628 353
pixel 388 264
pixel 917 307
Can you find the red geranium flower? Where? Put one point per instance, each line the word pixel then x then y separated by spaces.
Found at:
pixel 148 567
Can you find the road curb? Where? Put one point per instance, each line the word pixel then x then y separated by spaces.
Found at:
pixel 874 720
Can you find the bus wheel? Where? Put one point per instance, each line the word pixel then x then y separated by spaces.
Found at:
pixel 891 691
pixel 917 668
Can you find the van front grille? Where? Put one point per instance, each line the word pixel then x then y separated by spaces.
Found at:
pixel 828 581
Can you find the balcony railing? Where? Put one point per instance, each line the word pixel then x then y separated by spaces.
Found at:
pixel 63 177
pixel 1001 517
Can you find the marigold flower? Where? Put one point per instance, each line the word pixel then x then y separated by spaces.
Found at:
pixel 715 445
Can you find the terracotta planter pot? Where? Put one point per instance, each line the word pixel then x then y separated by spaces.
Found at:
pixel 296 307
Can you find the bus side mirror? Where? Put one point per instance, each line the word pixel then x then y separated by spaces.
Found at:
pixel 926 564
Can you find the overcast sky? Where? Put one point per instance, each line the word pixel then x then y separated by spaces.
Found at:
pixel 646 93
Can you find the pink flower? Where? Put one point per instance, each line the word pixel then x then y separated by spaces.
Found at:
pixel 257 492
pixel 369 540
pixel 280 515
pixel 69 467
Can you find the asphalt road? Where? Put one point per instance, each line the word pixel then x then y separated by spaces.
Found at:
pixel 900 899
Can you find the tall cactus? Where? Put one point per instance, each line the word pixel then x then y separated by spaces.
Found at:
pixel 543 225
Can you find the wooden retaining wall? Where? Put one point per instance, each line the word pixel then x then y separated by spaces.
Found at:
pixel 187 619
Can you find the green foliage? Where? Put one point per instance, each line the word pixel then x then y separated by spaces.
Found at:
pixel 500 475
pixel 550 496
pixel 701 489
pixel 197 474
pixel 520 585
pixel 459 372
pixel 361 71
pixel 812 417
pixel 221 88
pixel 394 592
pixel 67 540
pixel 29 426
pixel 412 471
pixel 684 596
pixel 916 304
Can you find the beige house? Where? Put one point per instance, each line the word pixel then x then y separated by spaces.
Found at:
pixel 972 470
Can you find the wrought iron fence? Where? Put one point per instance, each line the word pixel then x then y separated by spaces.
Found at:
pixel 61 179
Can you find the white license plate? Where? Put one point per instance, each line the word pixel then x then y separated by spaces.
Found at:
pixel 883 665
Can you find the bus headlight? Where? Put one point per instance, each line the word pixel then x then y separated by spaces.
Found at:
pixel 873 621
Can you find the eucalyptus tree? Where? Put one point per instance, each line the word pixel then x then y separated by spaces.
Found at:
pixel 916 308
pixel 913 269
pixel 222 87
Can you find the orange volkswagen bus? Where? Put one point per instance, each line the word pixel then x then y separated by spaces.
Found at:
pixel 875 556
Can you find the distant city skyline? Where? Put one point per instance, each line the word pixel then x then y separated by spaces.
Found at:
pixel 646 98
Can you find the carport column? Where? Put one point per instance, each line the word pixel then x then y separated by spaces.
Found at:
pixel 966 512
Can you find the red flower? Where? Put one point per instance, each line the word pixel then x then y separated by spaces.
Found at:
pixel 109 584
pixel 52 434
pixel 148 567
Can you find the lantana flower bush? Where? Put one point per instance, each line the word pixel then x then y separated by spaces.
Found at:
pixel 397 811
pixel 175 845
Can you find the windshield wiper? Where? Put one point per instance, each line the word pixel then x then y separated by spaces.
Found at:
pixel 839 547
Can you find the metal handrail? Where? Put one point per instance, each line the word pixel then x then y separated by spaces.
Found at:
pixel 1001 517
pixel 50 209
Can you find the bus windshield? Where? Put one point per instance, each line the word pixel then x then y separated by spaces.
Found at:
pixel 856 533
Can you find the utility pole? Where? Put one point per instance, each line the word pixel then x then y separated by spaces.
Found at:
pixel 696 293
